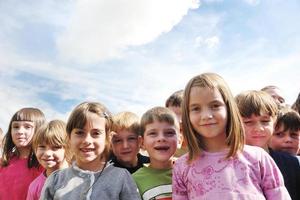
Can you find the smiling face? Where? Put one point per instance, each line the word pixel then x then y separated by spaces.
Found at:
pixel 125 146
pixel 208 116
pixel 51 157
pixel 88 143
pixel 258 129
pixel 160 141
pixel 285 140
pixel 22 133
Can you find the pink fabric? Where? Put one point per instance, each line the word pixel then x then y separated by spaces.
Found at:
pixel 251 175
pixel 15 179
pixel 35 188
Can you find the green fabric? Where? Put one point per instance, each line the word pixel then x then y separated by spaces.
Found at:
pixel 154 183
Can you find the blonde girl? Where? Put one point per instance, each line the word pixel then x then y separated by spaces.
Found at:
pixel 91 175
pixel 51 148
pixel 218 164
pixel 19 165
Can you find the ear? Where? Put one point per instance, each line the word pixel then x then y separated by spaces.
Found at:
pixel 139 141
pixel 142 143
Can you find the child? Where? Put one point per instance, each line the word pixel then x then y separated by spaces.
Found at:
pixel 296 104
pixel 126 142
pixel 160 130
pixel 286 136
pixel 259 112
pixel 219 165
pixel 276 94
pixel 51 149
pixel 174 103
pixel 91 176
pixel 19 166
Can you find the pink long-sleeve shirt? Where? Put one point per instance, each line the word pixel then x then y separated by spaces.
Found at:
pixel 252 174
pixel 15 179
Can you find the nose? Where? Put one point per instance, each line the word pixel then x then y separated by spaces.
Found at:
pixel 88 139
pixel 161 137
pixel 125 143
pixel 206 114
pixel 258 127
pixel 48 152
pixel 288 139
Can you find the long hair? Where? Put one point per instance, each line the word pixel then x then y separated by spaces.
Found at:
pixel 9 149
pixel 78 119
pixel 234 129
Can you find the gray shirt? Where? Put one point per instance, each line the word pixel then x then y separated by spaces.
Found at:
pixel 74 183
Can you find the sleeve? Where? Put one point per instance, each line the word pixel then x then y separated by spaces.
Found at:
pixel 272 182
pixel 30 193
pixel 48 188
pixel 179 188
pixel 129 188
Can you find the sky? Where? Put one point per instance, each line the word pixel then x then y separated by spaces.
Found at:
pixel 131 55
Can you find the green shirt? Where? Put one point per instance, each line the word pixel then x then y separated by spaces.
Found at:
pixel 154 184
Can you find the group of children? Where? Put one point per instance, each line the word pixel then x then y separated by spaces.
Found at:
pixel 204 144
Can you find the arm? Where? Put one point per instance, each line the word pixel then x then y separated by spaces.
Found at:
pixel 48 189
pixel 272 181
pixel 179 188
pixel 129 188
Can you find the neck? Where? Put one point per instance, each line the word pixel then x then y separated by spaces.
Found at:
pixel 23 152
pixel 61 166
pixel 133 163
pixel 161 165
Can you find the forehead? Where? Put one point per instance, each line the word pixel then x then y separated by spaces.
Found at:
pixel 123 134
pixel 159 125
pixel 94 121
pixel 23 123
pixel 203 94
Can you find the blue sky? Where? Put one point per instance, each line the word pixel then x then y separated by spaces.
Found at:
pixel 132 54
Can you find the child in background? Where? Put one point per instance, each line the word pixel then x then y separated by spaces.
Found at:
pixel 286 136
pixel 160 130
pixel 174 103
pixel 19 166
pixel 126 142
pixel 259 112
pixel 219 165
pixel 296 104
pixel 91 176
pixel 50 145
pixel 276 94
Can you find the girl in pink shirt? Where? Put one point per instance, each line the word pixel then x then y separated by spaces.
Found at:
pixel 218 164
pixel 19 165
pixel 51 148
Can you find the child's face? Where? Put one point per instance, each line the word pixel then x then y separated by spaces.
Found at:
pixel 287 141
pixel 22 133
pixel 88 143
pixel 258 129
pixel 160 141
pixel 208 116
pixel 125 146
pixel 51 157
pixel 177 111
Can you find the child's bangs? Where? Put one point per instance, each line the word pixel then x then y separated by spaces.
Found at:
pixel 25 115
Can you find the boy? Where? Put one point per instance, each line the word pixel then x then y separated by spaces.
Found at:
pixel 160 130
pixel 259 111
pixel 276 94
pixel 287 133
pixel 174 103
pixel 126 142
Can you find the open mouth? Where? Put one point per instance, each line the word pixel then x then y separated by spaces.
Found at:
pixel 162 148
pixel 86 150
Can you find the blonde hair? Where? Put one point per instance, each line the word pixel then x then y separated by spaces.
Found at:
pixel 234 129
pixel 53 133
pixel 126 121
pixel 160 114
pixel 257 103
pixel 25 114
pixel 78 119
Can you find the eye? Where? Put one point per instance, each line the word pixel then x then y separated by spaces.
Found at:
pixel 279 134
pixel 132 139
pixel 78 132
pixel 116 141
pixel 295 135
pixel 97 133
pixel 194 109
pixel 170 133
pixel 41 146
pixel 247 122
pixel 215 106
pixel 15 126
pixel 27 126
pixel 152 134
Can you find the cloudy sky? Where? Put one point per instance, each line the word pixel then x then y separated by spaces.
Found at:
pixel 132 54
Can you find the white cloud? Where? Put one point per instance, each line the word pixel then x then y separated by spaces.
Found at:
pixel 209 42
pixel 103 29
pixel 252 2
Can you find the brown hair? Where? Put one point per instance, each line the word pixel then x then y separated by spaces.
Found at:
pixel 9 149
pixel 290 120
pixel 234 129
pixel 126 121
pixel 257 103
pixel 175 99
pixel 160 114
pixel 78 119
pixel 53 133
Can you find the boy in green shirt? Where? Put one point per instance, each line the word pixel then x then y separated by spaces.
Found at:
pixel 160 130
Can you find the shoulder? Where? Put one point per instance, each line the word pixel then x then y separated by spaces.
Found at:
pixel 283 158
pixel 142 158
